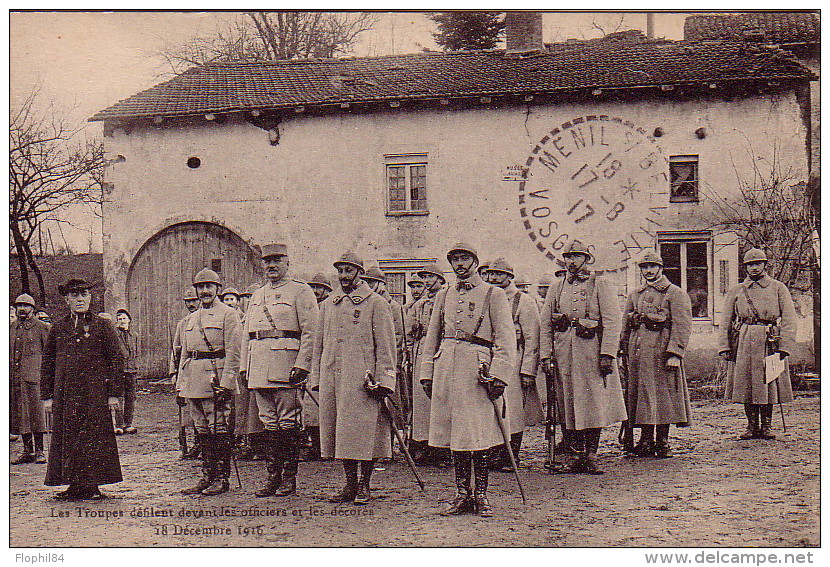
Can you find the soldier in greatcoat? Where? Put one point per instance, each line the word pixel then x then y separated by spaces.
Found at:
pixel 27 339
pixel 416 291
pixel 759 320
pixel 580 334
pixel 321 286
pixel 422 453
pixel 468 358
pixel 191 303
pixel 656 328
pixel 207 381
pixel 82 376
pixel 524 408
pixel 277 344
pixel 248 426
pixel 353 368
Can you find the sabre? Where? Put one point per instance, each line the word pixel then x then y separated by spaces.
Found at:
pixel 510 454
pixel 393 424
pixel 310 395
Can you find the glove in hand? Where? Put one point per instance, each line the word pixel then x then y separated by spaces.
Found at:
pixel 605 364
pixel 528 380
pixel 180 401
pixel 298 376
pixel 427 385
pixel 222 395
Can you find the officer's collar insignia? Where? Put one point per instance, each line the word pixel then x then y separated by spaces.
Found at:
pixel 356 315
pixel 472 306
pixel 581 275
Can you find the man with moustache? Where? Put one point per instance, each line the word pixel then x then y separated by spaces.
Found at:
pixel 27 339
pixel 276 350
pixel 208 337
pixel 759 320
pixel 433 281
pixel 353 368
pixel 468 358
pixel 580 327
pixel 524 407
pixel 656 328
pixel 416 291
pixel 82 376
pixel 321 286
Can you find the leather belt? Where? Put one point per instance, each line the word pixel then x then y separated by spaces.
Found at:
pixel 460 335
pixel 754 321
pixel 273 334
pixel 201 355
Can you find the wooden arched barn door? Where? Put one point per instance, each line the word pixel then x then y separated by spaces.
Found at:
pixel 161 270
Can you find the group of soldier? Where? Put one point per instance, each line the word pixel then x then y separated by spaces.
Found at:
pixel 330 362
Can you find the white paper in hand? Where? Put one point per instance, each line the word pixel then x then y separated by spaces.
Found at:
pixel 773 367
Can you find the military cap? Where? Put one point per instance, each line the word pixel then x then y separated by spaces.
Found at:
pixel 521 281
pixel 74 284
pixel 246 292
pixel 321 280
pixel 189 294
pixel 25 299
pixel 252 288
pixel 755 255
pixel 463 247
pixel 501 265
pixel 432 268
pixel 229 291
pixel 275 249
pixel 651 257
pixel 414 280
pixel 374 273
pixel 121 310
pixel 576 247
pixel 206 275
pixel 350 259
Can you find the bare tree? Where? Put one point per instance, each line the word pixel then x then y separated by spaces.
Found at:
pixel 49 170
pixel 273 36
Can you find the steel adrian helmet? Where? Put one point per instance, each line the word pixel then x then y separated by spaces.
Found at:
pixel 25 299
pixel 755 255
pixel 463 247
pixel 432 268
pixel 189 293
pixel 413 281
pixel 650 257
pixel 252 288
pixel 350 259
pixel 501 265
pixel 576 247
pixel 374 273
pixel 206 275
pixel 321 280
pixel 229 291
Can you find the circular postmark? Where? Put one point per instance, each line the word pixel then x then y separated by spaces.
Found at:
pixel 600 179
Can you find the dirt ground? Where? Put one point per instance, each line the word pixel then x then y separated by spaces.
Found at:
pixel 716 491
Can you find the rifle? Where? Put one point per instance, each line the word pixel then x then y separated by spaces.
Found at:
pixel 550 421
pixel 626 435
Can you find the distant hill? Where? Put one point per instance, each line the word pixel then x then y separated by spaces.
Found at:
pixel 55 270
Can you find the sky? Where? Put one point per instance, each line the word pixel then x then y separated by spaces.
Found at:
pixel 85 62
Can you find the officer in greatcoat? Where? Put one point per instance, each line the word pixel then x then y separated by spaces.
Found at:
pixel 422 453
pixel 27 339
pixel 321 286
pixel 468 358
pixel 759 320
pixel 353 368
pixel 209 335
pixel 580 332
pixel 191 303
pixel 524 408
pixel 277 344
pixel 82 377
pixel 657 324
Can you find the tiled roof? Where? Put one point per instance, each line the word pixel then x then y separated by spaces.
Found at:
pixel 632 62
pixel 774 27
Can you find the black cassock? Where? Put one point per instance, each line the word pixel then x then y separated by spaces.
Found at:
pixel 82 366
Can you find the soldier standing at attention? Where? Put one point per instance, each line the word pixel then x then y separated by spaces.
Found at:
pixel 208 336
pixel 656 329
pixel 468 358
pixel 523 405
pixel 276 359
pixel 247 426
pixel 353 368
pixel 230 297
pixel 81 379
pixel 581 329
pixel 191 303
pixel 27 338
pixel 416 290
pixel 321 286
pixel 422 453
pixel 759 319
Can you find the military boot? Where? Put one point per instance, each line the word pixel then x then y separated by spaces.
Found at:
pixel 363 494
pixel 27 455
pixel 222 447
pixel 577 465
pixel 645 446
pixel 208 464
pixel 591 448
pixel 765 432
pixel 462 462
pixel 752 429
pixel 482 505
pixel 273 450
pixel 40 458
pixel 662 450
pixel 565 446
pixel 290 461
pixel 349 491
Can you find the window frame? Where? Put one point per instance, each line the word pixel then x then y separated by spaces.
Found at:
pixel 408 267
pixel 408 161
pixel 683 239
pixel 691 159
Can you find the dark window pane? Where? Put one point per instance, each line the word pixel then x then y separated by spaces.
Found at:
pixel 670 252
pixel 696 256
pixel 698 290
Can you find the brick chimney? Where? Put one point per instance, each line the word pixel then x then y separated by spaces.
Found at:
pixel 523 31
